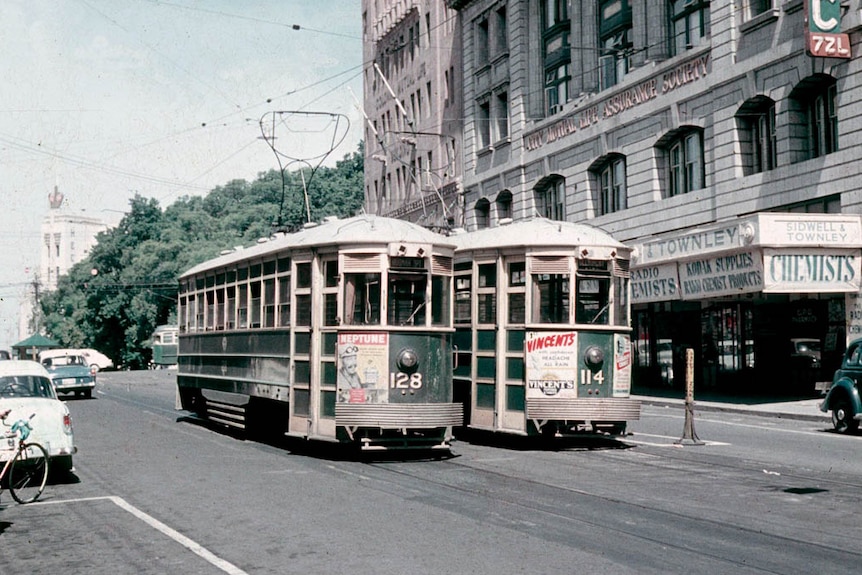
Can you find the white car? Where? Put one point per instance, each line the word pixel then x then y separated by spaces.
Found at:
pixel 95 359
pixel 26 389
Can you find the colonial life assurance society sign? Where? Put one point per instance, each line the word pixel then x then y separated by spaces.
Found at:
pixel 769 252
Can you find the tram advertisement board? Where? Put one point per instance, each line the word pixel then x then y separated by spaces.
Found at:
pixel 552 364
pixel 622 365
pixel 363 360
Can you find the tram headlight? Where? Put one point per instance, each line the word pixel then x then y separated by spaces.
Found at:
pixel 594 357
pixel 408 360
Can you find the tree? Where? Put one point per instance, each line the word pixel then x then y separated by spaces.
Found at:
pixel 113 300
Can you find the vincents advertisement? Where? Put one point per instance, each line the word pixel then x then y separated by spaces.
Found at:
pixel 552 364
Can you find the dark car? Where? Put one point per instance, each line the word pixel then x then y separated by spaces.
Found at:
pixel 71 373
pixel 843 395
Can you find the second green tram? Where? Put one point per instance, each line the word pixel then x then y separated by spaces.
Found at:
pixel 542 343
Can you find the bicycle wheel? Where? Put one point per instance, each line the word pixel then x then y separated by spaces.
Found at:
pixel 28 473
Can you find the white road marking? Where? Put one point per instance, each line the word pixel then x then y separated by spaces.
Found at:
pixel 189 544
pixel 655 444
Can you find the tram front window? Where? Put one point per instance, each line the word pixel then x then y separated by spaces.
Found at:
pixel 551 298
pixel 407 298
pixel 593 297
pixel 362 299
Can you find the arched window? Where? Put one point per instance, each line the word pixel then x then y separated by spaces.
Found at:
pixel 550 196
pixel 683 160
pixel 609 175
pixel 756 124
pixel 814 117
pixel 482 210
pixel 504 205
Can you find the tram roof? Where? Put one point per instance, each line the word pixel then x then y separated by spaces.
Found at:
pixel 364 229
pixel 536 233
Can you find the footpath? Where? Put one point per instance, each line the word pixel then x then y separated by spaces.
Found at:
pixel 804 408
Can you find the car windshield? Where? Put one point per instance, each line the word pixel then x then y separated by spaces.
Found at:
pixel 25 386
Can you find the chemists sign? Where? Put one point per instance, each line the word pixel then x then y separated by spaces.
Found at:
pixel 811 271
pixel 823 37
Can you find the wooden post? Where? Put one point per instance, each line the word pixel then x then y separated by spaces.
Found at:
pixel 688 432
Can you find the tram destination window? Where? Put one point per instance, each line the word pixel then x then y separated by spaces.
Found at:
pixel 592 301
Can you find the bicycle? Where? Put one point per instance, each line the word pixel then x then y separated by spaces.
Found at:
pixel 26 472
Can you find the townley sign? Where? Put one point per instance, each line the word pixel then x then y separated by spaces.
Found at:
pixel 767 252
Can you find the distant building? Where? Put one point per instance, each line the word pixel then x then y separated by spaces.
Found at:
pixel 66 240
pixel 412 138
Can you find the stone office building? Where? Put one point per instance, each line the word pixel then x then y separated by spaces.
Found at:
pixel 412 103
pixel 721 139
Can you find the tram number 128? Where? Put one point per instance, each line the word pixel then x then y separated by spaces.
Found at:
pixel 403 380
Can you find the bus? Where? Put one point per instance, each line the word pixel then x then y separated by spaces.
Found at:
pixel 340 332
pixel 164 343
pixel 542 341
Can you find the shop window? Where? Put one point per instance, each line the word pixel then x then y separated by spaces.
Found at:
pixel 757 138
pixel 610 178
pixel 689 24
pixel 615 46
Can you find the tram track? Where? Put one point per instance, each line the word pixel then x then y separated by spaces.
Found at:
pixel 566 512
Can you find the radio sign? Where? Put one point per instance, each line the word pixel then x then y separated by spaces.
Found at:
pixel 823 37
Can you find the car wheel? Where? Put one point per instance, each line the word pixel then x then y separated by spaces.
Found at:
pixel 94 367
pixel 842 416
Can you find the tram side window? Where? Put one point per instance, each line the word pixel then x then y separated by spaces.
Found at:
pixel 462 299
pixel 362 299
pixel 242 307
pixel 407 298
pixel 440 300
pixel 231 307
pixel 255 304
pixel 269 303
pixel 551 298
pixel 487 293
pixel 621 309
pixel 593 301
pixel 284 301
pixel 517 295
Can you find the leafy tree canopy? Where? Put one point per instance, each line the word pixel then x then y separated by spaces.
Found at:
pixel 114 299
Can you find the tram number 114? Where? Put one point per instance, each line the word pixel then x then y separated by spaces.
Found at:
pixel 402 380
pixel 590 378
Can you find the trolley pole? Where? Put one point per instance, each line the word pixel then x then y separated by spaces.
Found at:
pixel 688 432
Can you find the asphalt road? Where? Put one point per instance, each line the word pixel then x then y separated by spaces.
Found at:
pixel 156 492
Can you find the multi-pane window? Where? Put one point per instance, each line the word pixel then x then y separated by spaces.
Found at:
pixel 685 163
pixel 611 176
pixel 483 123
pixel 556 53
pixel 615 27
pixel 504 205
pixel 823 121
pixel 501 115
pixel 550 199
pixel 689 23
pixel 758 140
pixel 483 214
pixel 483 48
pixel 757 7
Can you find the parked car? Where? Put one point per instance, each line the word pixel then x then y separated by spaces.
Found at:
pixel 5 354
pixel 71 374
pixel 843 395
pixel 26 389
pixel 95 359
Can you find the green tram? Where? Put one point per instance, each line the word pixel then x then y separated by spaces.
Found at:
pixel 164 343
pixel 542 343
pixel 339 332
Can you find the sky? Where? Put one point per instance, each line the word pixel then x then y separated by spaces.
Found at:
pixel 106 99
